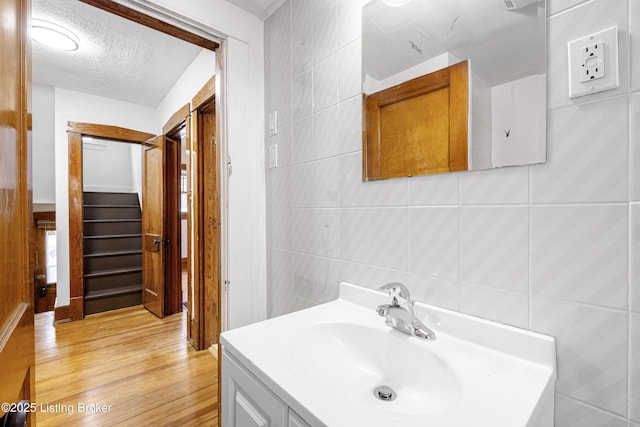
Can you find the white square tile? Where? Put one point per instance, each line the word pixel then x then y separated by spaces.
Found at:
pixel 325 33
pixel 349 21
pixel 302 185
pixel 303 231
pixel 381 276
pixel 572 413
pixel 434 242
pixel 320 5
pixel 507 307
pixel 588 18
pixel 302 11
pixel 634 375
pixel 587 157
pixel 634 33
pixel 350 125
pixel 324 288
pixel 302 95
pixel 302 140
pixel 280 188
pixel 302 275
pixel 342 271
pixel 350 71
pixel 634 257
pixel 433 190
pixel 388 192
pixel 496 186
pixel 286 302
pixel 494 247
pixel 301 47
pixel 388 238
pixel 579 253
pixel 325 133
pixel 435 291
pixel 634 143
pixel 325 83
pixel 280 229
pixel 326 186
pixel 281 269
pixel 354 192
pixel 355 227
pixel 325 240
pixel 592 370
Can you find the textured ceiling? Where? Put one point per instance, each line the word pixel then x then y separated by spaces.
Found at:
pixel 117 58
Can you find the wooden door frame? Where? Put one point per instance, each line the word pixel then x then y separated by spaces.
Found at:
pixel 178 121
pixel 206 226
pixel 75 132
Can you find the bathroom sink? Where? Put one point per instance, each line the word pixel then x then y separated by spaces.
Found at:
pixel 339 364
pixel 357 359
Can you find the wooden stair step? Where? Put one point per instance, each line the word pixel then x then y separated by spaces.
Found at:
pixel 113 253
pixel 113 236
pixel 94 221
pixel 112 292
pixel 111 206
pixel 113 272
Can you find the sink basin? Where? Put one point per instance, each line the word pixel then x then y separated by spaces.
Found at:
pixel 328 363
pixel 357 359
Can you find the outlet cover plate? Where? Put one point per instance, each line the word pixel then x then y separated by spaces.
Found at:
pixel 607 41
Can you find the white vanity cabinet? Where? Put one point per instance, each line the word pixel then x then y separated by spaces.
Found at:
pixel 247 402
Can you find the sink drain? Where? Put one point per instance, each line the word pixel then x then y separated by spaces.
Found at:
pixel 385 393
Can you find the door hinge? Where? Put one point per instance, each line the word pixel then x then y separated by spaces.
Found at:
pixel 226 284
pixel 229 166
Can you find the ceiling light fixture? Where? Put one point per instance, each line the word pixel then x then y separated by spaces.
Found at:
pixel 395 3
pixel 53 35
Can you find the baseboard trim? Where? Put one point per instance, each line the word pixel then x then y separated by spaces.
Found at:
pixel 62 314
pixel 69 313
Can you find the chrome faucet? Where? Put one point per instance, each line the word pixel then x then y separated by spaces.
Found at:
pixel 399 313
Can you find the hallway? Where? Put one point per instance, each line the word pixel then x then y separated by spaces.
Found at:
pixel 138 369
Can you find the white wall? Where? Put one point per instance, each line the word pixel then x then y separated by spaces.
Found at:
pixel 190 82
pixel 553 247
pixel 43 144
pixel 136 169
pixel 80 107
pixel 107 167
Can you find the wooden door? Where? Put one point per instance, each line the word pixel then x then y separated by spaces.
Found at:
pixel 17 353
pixel 153 251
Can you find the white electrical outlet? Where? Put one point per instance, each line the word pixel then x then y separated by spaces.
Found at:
pixel 593 63
pixel 273 156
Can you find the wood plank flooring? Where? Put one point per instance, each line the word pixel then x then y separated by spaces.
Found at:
pixel 138 364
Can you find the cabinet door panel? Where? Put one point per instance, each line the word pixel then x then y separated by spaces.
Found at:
pixel 248 414
pixel 246 402
pixel 296 420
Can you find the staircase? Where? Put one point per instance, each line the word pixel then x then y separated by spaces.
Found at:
pixel 112 251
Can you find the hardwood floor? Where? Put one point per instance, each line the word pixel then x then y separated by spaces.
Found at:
pixel 139 366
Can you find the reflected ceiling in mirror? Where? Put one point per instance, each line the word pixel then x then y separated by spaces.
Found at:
pixel 504 43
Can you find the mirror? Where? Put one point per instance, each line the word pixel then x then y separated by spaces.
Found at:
pixel 504 47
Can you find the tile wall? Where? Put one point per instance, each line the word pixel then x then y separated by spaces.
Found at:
pixel 553 248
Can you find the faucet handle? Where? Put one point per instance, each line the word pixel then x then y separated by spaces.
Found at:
pixel 397 289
